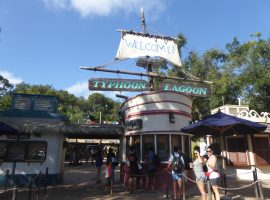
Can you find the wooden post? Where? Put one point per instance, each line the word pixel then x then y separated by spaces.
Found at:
pixel 167 190
pixel 209 192
pixel 7 179
pixel 38 185
pixel 184 187
pixel 30 189
pixel 14 194
pixel 260 189
pixel 225 182
pixel 256 185
pixel 45 182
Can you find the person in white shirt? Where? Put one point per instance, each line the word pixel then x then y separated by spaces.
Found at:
pixel 212 172
pixel 203 147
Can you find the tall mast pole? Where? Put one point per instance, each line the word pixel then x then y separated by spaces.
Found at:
pixel 149 68
pixel 143 21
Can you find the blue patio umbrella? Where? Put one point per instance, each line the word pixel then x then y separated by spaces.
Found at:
pixel 6 129
pixel 221 123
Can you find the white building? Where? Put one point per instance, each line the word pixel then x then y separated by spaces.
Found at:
pixel 244 153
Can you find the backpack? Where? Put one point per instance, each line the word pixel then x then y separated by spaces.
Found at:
pixel 114 161
pixel 156 161
pixel 177 164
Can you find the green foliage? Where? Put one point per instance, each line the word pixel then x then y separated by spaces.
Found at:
pixel 5 86
pixel 5 98
pixel 103 108
pixel 241 70
pixel 5 102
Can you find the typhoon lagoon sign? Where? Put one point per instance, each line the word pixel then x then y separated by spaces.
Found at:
pixel 118 85
pixel 141 85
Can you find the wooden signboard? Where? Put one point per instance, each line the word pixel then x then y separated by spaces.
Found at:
pixel 141 85
pixel 118 85
pixel 188 89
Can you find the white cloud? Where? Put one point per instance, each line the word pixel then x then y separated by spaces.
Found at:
pixel 10 77
pixel 108 7
pixel 79 89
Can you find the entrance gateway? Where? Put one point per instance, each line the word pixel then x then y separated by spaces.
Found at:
pixel 154 117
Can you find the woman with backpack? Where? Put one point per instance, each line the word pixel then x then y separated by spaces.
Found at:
pixel 197 166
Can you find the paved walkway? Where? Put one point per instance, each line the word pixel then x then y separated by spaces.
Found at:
pixel 79 184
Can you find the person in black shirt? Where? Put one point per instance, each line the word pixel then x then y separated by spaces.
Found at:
pixel 134 169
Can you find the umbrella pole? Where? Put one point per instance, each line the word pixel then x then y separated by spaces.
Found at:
pixel 223 152
pixel 223 157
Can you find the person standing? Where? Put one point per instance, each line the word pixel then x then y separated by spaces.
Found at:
pixel 199 172
pixel 93 155
pixel 134 169
pixel 111 157
pixel 212 172
pixel 108 177
pixel 176 163
pixel 151 172
pixel 99 162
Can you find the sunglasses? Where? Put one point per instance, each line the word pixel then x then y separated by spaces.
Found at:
pixel 208 151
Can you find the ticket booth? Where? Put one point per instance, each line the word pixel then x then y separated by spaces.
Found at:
pixel 155 119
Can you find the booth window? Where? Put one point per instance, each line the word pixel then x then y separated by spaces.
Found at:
pixel 148 140
pixel 136 144
pixel 22 151
pixel 176 141
pixel 187 147
pixel 3 150
pixel 16 151
pixel 135 124
pixel 127 145
pixel 36 151
pixel 261 147
pixel 163 147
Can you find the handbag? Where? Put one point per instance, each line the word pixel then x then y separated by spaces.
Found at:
pixel 139 166
pixel 207 174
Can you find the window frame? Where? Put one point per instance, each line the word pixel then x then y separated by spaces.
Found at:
pixel 167 143
pixel 27 144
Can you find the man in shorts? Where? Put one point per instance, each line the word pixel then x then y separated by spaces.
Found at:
pixel 177 174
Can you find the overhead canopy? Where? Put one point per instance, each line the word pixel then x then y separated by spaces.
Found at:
pixel 54 126
pixel 93 131
pixel 222 123
pixel 6 129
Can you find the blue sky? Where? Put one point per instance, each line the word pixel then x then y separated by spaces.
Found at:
pixel 46 41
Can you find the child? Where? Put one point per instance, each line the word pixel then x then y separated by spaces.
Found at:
pixel 108 184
